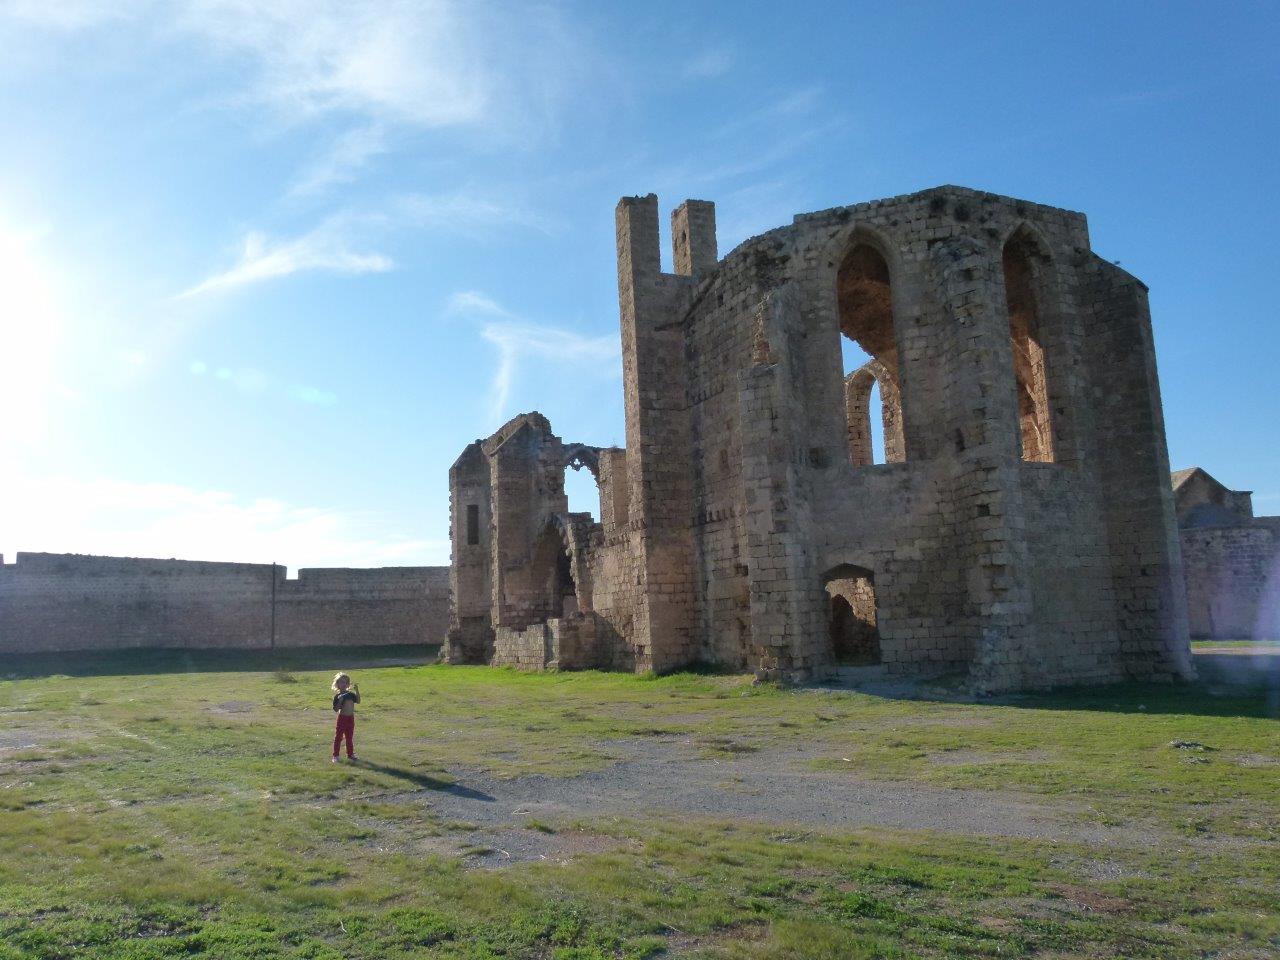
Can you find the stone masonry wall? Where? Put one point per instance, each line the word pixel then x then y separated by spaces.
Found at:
pixel 362 607
pixel 564 643
pixel 1233 581
pixel 52 602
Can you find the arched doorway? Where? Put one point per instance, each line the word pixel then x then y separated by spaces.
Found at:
pixel 852 616
pixel 869 349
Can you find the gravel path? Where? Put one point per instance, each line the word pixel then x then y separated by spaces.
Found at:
pixel 659 776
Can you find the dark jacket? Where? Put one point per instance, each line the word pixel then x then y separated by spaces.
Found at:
pixel 341 699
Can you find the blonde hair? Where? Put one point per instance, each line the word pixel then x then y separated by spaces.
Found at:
pixel 336 678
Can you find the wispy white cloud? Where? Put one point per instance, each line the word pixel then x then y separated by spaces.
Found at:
pixel 758 187
pixel 65 14
pixel 110 516
pixel 313 395
pixel 710 63
pixel 800 103
pixel 378 67
pixel 342 161
pixel 419 62
pixel 517 340
pixel 473 303
pixel 340 243
pixel 466 211
pixel 253 382
pixel 327 248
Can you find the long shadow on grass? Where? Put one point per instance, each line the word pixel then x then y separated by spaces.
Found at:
pixel 1225 689
pixel 110 663
pixel 1198 699
pixel 427 782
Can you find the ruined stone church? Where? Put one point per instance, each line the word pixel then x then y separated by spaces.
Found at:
pixel 1021 527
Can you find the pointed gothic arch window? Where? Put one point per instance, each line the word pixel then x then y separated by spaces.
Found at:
pixel 865 300
pixel 1022 263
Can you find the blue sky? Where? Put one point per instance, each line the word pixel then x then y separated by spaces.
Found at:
pixel 266 266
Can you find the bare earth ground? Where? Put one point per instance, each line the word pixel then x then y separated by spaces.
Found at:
pixel 664 776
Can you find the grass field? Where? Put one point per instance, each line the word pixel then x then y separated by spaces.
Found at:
pixel 179 805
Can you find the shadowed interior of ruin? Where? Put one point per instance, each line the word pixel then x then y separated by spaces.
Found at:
pixel 855 639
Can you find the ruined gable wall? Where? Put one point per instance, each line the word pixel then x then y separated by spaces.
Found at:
pixel 54 602
pixel 1203 501
pixel 794 445
pixel 470 591
pixel 526 466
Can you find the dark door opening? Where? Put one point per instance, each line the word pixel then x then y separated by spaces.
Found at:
pixel 852 617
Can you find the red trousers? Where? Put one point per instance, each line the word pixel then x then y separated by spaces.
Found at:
pixel 346 728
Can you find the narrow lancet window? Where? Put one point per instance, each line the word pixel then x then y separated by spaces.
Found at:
pixel 1029 365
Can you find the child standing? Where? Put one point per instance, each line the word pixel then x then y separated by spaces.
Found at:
pixel 345 697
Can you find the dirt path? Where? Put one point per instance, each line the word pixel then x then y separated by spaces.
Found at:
pixel 659 775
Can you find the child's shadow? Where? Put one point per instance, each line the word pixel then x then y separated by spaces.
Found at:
pixel 428 782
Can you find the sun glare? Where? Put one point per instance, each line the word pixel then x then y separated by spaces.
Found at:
pixel 30 328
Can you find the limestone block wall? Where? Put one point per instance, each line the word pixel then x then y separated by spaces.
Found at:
pixel 563 643
pixel 52 602
pixel 1233 581
pixel 362 607
pixel 524 649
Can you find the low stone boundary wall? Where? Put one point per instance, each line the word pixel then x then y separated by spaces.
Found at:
pixel 52 602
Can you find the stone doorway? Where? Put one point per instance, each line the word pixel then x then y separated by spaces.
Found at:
pixel 852 620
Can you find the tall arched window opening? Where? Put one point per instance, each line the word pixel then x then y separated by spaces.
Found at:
pixel 1029 367
pixel 582 491
pixel 870 359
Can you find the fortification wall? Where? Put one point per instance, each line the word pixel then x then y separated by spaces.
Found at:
pixel 52 602
pixel 1233 581
pixel 343 606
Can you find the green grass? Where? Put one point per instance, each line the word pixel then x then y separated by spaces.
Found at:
pixel 1208 644
pixel 180 805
